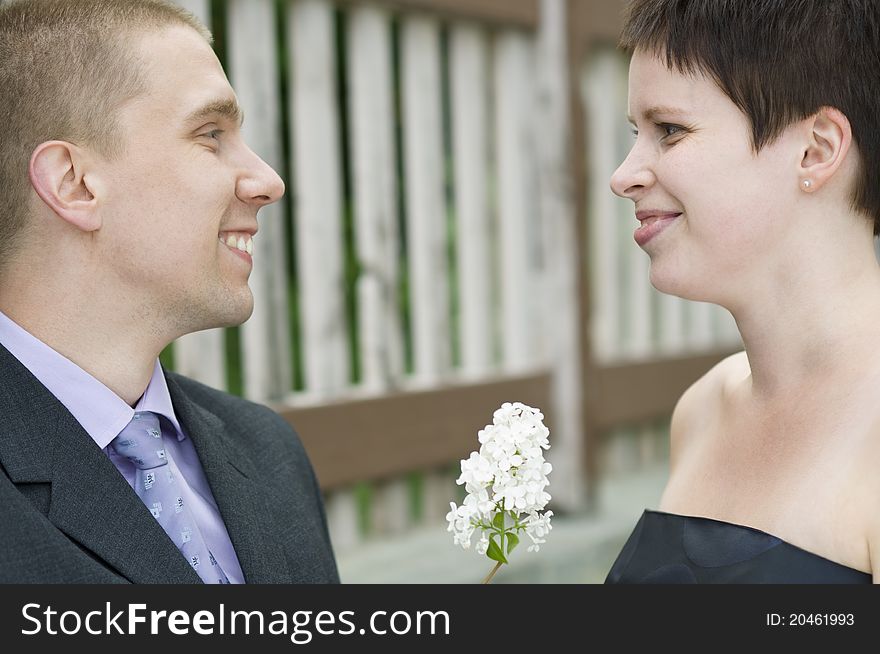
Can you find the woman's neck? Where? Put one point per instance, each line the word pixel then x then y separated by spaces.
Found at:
pixel 812 325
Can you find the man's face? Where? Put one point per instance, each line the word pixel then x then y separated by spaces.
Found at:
pixel 692 158
pixel 184 197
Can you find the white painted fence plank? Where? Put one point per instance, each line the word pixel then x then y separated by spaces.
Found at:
pixel 425 203
pixel 469 84
pixel 372 137
pixel 672 325
pixel 342 520
pixel 514 106
pixel 202 356
pixel 317 180
pixel 605 107
pixel 557 208
pixel 440 490
pixel 390 513
pixel 253 71
pixel 725 329
pixel 701 335
pixel 375 195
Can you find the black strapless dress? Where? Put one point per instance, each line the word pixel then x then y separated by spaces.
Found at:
pixel 666 548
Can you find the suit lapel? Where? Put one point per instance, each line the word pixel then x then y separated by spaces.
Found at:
pixel 40 441
pixel 93 504
pixel 232 477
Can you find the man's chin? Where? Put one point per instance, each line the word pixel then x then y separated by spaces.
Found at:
pixel 242 313
pixel 230 315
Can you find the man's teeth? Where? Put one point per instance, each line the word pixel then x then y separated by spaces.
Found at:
pixel 242 242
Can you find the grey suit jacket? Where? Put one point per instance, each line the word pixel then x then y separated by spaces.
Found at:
pixel 68 516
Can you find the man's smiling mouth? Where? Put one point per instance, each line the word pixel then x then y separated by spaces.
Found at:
pixel 241 241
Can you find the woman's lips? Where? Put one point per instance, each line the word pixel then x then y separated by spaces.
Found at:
pixel 653 225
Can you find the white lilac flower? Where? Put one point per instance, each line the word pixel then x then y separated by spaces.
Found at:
pixel 505 482
pixel 538 526
pixel 479 503
pixel 460 524
pixel 476 472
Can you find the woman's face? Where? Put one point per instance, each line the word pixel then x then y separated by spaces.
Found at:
pixel 712 213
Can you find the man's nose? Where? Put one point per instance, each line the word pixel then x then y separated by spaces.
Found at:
pixel 261 185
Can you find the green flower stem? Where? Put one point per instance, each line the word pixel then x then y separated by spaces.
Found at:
pixel 503 530
pixel 506 533
pixel 492 574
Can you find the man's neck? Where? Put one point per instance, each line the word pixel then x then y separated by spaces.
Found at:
pixel 110 352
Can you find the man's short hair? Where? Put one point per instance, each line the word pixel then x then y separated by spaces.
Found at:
pixel 66 67
pixel 779 61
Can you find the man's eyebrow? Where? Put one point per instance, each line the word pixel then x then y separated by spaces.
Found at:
pixel 228 108
pixel 652 112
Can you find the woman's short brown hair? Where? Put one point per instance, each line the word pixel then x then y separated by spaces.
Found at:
pixel 779 61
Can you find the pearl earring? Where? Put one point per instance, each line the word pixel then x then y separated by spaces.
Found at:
pixel 807 184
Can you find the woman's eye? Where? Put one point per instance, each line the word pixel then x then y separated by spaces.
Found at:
pixel 670 130
pixel 666 130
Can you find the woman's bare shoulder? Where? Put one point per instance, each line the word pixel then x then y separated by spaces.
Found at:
pixel 701 401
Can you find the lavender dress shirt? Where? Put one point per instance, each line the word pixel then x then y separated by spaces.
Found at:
pixel 103 414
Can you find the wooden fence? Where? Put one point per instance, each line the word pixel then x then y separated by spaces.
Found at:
pixel 448 242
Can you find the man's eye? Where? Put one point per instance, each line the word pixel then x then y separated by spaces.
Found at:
pixel 213 134
pixel 634 132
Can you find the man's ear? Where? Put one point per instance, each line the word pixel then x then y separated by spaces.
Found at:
pixel 830 138
pixel 57 173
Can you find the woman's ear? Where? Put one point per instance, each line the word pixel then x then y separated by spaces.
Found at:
pixel 830 138
pixel 57 173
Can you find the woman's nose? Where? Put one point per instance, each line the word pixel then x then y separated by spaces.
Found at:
pixel 632 176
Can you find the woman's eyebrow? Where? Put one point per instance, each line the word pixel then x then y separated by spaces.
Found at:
pixel 226 108
pixel 652 112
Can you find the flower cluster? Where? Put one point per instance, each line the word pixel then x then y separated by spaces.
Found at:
pixel 505 484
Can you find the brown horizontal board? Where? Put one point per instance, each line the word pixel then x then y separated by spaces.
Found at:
pixel 641 391
pixel 360 440
pixel 383 437
pixel 514 13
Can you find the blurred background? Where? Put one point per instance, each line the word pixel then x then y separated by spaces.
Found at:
pixel 449 242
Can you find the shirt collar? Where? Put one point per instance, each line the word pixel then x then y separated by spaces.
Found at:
pixel 158 400
pixel 101 412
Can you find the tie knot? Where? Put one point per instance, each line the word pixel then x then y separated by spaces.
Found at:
pixel 141 441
